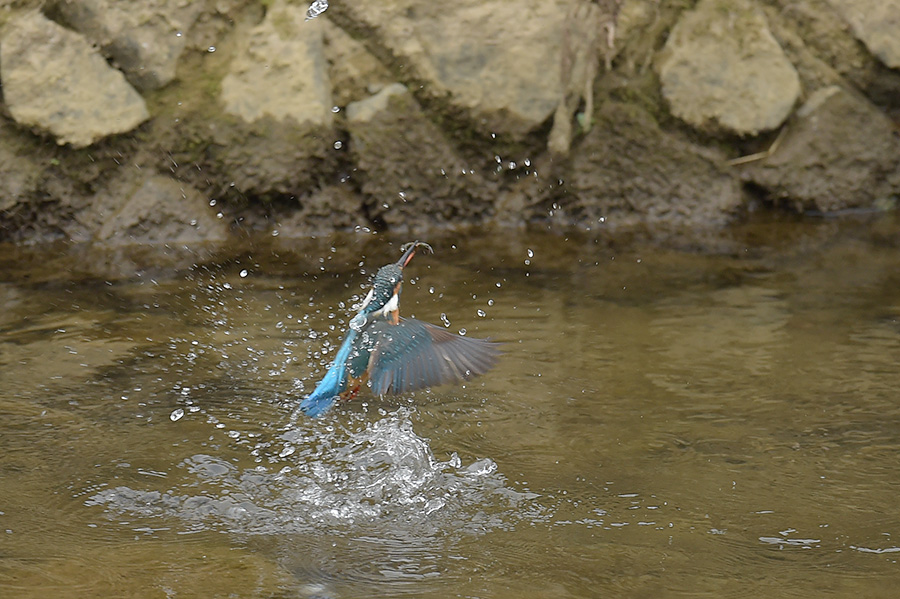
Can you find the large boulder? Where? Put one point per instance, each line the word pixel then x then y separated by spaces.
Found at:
pixel 55 81
pixel 498 63
pixel 408 171
pixel 722 70
pixel 155 209
pixel 273 137
pixel 839 152
pixel 628 171
pixel 145 38
pixel 877 24
pixel 279 71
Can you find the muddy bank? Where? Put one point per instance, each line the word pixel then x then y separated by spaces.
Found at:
pixel 166 121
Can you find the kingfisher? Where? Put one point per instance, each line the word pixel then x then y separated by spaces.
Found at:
pixel 393 354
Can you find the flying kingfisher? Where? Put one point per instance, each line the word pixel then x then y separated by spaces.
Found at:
pixel 393 354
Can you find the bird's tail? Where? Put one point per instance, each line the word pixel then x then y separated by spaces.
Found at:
pixel 332 384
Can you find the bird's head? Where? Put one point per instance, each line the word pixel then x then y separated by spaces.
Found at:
pixel 384 297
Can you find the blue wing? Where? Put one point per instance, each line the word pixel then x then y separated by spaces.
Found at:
pixel 413 355
pixel 333 383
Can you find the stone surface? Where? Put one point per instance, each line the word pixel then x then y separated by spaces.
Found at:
pixel 55 81
pixel 160 210
pixel 280 70
pixel 721 69
pixel 354 71
pixel 839 153
pixel 627 171
pixel 145 38
pixel 410 175
pixel 497 62
pixel 18 175
pixel 251 125
pixel 877 24
pixel 366 110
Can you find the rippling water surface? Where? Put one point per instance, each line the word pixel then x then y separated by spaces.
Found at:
pixel 718 418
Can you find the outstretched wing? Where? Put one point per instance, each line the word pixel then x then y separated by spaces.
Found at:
pixel 414 354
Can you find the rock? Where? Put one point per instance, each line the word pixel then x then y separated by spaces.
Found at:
pixel 19 176
pixel 839 153
pixel 145 38
pixel 283 57
pixel 366 110
pixel 55 81
pixel 333 207
pixel 497 62
pixel 410 174
pixel 628 171
pixel 265 160
pixel 160 210
pixel 721 69
pixel 353 70
pixel 877 24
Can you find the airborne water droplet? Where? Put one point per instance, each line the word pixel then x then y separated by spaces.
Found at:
pixel 316 8
pixel 176 414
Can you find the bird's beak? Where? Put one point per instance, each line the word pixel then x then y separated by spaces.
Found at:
pixel 410 251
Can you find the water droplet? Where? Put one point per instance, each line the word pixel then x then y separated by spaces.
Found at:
pixel 338 145
pixel 462 331
pixel 176 414
pixel 316 8
pixel 445 320
pixel 212 202
pixel 335 109
pixel 481 313
pixel 211 49
pixel 530 253
pixel 244 273
pixel 490 302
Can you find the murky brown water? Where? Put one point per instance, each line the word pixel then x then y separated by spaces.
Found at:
pixel 664 422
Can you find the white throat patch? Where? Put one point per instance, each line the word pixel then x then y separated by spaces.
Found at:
pixel 392 305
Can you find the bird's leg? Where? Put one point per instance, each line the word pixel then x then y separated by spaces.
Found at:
pixel 353 386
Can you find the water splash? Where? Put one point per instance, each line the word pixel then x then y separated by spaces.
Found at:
pixel 316 8
pixel 372 475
